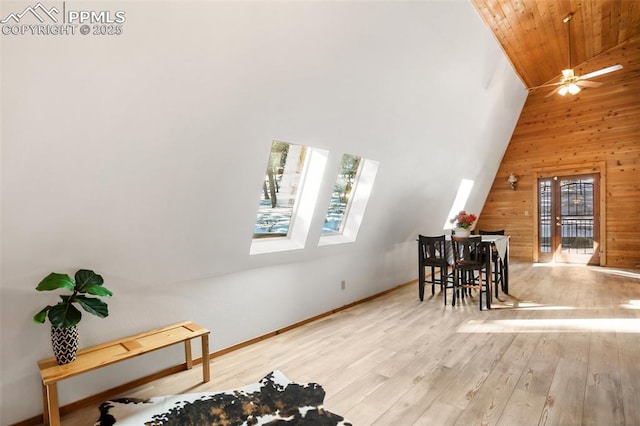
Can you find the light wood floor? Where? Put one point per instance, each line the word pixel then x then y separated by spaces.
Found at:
pixel 563 350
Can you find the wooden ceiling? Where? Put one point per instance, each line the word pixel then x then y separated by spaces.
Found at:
pixel 534 36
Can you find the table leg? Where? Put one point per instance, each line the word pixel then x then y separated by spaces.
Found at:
pixel 206 372
pixel 488 260
pixel 505 272
pixel 496 279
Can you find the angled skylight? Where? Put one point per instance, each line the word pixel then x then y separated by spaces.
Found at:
pixel 288 197
pixel 464 190
pixel 284 172
pixel 344 187
pixel 351 193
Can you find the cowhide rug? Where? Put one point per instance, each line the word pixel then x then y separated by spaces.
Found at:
pixel 275 400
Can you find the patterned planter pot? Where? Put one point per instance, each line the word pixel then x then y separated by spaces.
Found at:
pixel 65 344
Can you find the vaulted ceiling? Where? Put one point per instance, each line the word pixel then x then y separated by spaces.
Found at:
pixel 534 36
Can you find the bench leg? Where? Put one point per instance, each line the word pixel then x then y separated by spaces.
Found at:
pixel 51 412
pixel 45 406
pixel 187 353
pixel 206 371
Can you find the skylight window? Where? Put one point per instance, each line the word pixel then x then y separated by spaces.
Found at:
pixel 282 179
pixel 351 193
pixel 289 192
pixel 464 190
pixel 341 197
pixel 288 197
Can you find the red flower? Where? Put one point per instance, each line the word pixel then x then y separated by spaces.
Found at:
pixel 464 219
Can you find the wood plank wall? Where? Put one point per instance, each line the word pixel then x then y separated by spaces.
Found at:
pixel 598 128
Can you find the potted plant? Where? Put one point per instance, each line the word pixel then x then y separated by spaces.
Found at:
pixel 463 223
pixel 64 316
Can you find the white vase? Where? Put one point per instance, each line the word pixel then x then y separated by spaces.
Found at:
pixel 463 232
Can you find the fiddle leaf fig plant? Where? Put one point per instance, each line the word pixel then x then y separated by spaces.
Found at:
pixel 65 314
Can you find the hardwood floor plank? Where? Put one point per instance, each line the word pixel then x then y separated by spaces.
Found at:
pixel 628 350
pixel 539 372
pixel 472 376
pixel 523 408
pixel 367 414
pixel 410 406
pixel 603 402
pixel 566 394
pixel 489 403
pixel 439 414
pixel 354 393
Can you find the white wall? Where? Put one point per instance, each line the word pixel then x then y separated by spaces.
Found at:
pixel 141 156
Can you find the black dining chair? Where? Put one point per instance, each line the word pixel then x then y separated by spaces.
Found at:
pixel 498 265
pixel 469 258
pixel 432 253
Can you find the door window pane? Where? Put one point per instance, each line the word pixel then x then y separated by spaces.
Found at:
pixel 545 215
pixel 576 197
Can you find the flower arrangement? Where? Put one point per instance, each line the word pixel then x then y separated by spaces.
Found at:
pixel 464 220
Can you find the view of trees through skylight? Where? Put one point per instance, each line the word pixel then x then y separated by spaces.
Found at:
pixel 342 190
pixel 284 172
pixel 290 189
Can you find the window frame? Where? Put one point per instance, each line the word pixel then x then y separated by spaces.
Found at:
pixel 351 194
pixel 361 194
pixel 303 209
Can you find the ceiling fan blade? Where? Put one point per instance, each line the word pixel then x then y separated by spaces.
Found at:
pixel 544 85
pixel 553 92
pixel 600 72
pixel 587 83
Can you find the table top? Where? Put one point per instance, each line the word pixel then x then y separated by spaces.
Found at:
pixel 501 242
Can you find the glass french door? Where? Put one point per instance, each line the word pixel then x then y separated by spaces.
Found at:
pixel 568 219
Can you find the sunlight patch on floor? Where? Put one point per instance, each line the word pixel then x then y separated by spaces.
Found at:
pixel 559 264
pixel 516 305
pixel 633 304
pixel 552 325
pixel 532 306
pixel 600 269
pixel 619 272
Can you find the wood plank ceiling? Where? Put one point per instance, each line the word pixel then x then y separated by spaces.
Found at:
pixel 534 36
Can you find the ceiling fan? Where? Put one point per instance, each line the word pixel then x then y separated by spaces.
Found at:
pixel 569 81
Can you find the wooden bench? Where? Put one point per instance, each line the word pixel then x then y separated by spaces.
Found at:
pixel 94 357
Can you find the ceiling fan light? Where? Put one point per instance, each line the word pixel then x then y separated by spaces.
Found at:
pixel 573 88
pixel 563 90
